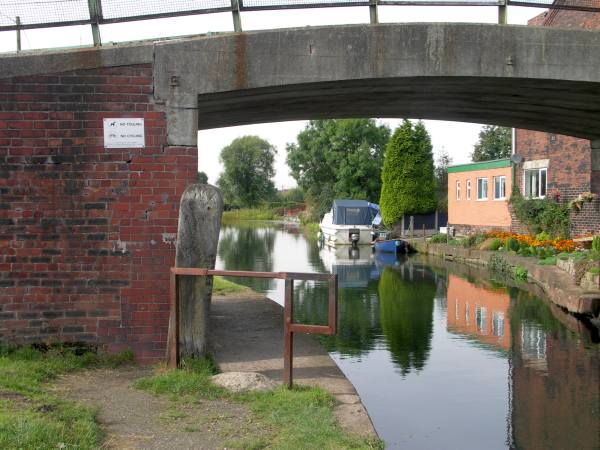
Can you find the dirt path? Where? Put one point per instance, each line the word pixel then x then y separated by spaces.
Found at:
pixel 134 419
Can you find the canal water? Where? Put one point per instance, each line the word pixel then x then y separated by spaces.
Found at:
pixel 442 357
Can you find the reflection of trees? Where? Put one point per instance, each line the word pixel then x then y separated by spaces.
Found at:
pixel 248 248
pixel 406 298
pixel 358 324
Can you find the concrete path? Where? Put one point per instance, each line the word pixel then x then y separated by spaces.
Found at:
pixel 247 336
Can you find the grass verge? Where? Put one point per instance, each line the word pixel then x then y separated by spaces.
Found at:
pixel 235 215
pixel 30 415
pixel 221 286
pixel 292 419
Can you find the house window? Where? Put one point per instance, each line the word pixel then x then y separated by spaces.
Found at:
pixel 498 324
pixel 481 319
pixel 535 181
pixel 482 188
pixel 468 189
pixel 458 190
pixel 499 188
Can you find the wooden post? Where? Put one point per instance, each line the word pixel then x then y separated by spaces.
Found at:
pixel 402 226
pixel 423 231
pixel 197 237
pixel 437 222
pixel 412 226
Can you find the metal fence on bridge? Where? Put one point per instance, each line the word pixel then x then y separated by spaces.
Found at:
pixel 17 15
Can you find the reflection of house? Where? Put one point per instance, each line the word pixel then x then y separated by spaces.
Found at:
pixel 555 391
pixel 478 312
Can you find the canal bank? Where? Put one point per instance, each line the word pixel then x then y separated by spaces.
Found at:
pixel 557 285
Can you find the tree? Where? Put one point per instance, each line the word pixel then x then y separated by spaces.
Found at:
pixel 408 184
pixel 248 169
pixel 338 158
pixel 441 179
pixel 202 178
pixel 494 143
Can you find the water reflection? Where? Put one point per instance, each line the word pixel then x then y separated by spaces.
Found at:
pixel 442 357
pixel 248 246
pixel 407 315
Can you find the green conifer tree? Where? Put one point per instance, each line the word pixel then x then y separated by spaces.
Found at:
pixel 408 182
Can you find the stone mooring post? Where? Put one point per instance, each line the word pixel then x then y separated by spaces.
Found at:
pixel 197 238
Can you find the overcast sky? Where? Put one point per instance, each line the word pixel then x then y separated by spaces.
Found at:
pixel 455 137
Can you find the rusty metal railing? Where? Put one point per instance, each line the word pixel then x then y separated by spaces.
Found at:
pixel 289 326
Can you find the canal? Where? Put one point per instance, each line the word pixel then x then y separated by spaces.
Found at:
pixel 442 358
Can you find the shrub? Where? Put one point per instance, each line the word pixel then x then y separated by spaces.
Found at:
pixel 542 215
pixel 438 238
pixel 511 243
pixel 521 273
pixel 596 244
pixel 543 236
pixel 594 270
pixel 525 251
pixel 496 244
pixel 549 261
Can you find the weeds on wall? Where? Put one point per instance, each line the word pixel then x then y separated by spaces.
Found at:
pixel 542 215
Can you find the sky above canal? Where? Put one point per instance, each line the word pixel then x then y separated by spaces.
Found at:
pixel 454 137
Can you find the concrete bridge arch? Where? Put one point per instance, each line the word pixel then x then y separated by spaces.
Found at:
pixel 528 77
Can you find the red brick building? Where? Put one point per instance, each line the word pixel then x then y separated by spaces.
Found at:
pixel 556 166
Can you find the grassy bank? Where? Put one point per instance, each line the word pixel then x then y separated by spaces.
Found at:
pixel 288 419
pixel 235 215
pixel 311 229
pixel 30 415
pixel 221 286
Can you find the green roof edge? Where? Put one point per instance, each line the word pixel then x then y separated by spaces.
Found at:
pixel 483 165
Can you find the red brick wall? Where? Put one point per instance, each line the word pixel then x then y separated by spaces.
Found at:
pixel 86 233
pixel 570 172
pixel 570 158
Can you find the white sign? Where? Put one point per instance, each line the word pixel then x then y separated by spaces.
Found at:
pixel 124 133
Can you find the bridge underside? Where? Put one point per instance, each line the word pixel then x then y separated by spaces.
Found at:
pixel 563 107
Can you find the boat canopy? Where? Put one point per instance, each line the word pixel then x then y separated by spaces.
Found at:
pixel 354 212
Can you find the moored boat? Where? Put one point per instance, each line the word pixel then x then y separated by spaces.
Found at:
pixel 390 246
pixel 349 222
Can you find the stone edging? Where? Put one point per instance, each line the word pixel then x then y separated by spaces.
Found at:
pixel 558 286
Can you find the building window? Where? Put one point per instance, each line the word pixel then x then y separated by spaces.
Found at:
pixel 535 181
pixel 482 188
pixel 498 324
pixel 458 190
pixel 468 189
pixel 500 188
pixel 481 319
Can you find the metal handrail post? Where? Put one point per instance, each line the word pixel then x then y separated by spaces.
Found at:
pixel 288 334
pixel 237 18
pixel 502 13
pixel 289 327
pixel 18 23
pixel 373 14
pixel 95 9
